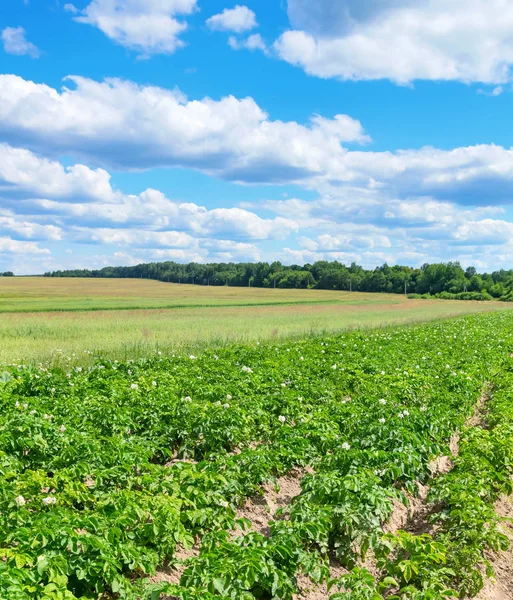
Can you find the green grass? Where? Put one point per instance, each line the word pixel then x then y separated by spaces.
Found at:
pixel 130 334
pixel 39 294
pixel 45 319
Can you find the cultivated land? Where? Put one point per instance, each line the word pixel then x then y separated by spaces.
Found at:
pixel 381 460
pixel 44 318
pixel 40 294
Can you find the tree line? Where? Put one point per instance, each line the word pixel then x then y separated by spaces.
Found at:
pixel 444 280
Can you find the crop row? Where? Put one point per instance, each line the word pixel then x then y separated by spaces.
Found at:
pixel 106 471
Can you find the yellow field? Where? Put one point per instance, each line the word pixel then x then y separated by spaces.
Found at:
pixel 36 294
pixel 66 319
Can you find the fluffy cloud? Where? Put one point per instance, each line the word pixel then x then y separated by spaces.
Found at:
pixel 356 224
pixel 228 250
pixel 479 174
pixel 371 228
pixel 125 125
pixel 21 170
pixel 253 42
pixel 10 246
pixel 76 205
pixel 238 19
pixel 401 40
pixel 492 232
pixel 417 205
pixel 353 240
pixel 331 18
pixel 357 212
pixel 15 42
pixel 45 188
pixel 134 237
pixel 13 226
pixel 146 26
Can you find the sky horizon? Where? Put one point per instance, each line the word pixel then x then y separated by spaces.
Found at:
pixel 370 131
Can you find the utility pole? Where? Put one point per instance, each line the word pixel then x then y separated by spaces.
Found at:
pixel 405 292
pixel 350 285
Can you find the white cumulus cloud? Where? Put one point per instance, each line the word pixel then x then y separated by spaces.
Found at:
pixel 146 26
pixel 80 195
pixel 252 42
pixel 15 42
pixel 13 225
pixel 22 248
pixel 125 125
pixel 44 201
pixel 23 170
pixel 401 40
pixel 238 19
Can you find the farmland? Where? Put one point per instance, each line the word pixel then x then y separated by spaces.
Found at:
pixel 44 318
pixel 359 465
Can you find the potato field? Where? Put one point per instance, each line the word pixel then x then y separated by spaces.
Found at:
pixel 358 466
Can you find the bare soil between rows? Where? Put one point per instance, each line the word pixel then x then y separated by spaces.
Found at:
pixel 412 517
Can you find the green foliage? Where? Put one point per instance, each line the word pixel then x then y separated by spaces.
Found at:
pixel 108 471
pixel 444 280
pixel 418 566
pixel 359 584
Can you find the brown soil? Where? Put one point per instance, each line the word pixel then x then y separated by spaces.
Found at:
pixel 173 572
pixel 260 510
pixel 413 516
pixel 313 591
pixel 175 460
pixel 478 419
pixel 501 587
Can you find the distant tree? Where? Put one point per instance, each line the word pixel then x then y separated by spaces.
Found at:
pixel 449 278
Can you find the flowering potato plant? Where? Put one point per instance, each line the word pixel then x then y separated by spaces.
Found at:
pixel 108 471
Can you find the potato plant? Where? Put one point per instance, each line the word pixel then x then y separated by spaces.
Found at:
pixel 105 471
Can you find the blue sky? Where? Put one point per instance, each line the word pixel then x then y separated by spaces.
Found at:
pixel 363 130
